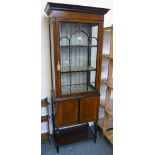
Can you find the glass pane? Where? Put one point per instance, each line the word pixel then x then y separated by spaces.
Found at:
pixel 91 84
pixel 79 37
pixel 94 35
pixel 78 82
pixel 78 53
pixel 65 59
pixel 65 83
pixel 79 58
pixel 93 56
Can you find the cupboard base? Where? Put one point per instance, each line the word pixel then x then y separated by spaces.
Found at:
pixel 74 134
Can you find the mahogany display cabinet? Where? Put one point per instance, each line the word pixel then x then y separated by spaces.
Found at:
pixel 76 38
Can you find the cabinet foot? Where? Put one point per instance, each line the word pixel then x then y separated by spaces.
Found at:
pixel 57 149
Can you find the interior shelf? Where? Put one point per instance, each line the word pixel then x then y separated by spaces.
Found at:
pixel 102 103
pixel 78 46
pixel 109 135
pixel 77 69
pixel 77 88
pixel 109 111
pixel 104 81
pixel 106 55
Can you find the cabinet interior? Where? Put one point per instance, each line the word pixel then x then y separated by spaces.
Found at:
pixel 78 48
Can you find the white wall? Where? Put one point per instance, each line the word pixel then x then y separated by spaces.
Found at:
pixel 45 53
pixel 45 56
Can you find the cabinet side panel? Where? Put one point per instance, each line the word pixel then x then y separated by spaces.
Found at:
pixel 52 54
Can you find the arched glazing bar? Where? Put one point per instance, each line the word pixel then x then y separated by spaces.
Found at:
pixel 64 41
pixel 66 64
pixel 78 36
pixel 81 37
pixel 65 38
pixel 91 38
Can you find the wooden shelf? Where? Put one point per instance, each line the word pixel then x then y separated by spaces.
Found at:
pixel 111 57
pixel 110 83
pixel 109 135
pixel 77 46
pixel 74 134
pixel 104 81
pixel 76 88
pixel 77 69
pixel 45 137
pixel 102 103
pixel 109 112
pixel 44 118
pixel 106 55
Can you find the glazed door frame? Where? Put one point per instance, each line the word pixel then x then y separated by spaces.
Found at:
pixel 56 27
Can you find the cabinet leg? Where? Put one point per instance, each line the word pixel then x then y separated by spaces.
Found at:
pixel 49 139
pixel 95 125
pixel 57 149
pixel 95 129
pixel 95 140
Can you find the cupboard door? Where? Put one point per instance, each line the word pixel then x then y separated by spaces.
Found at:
pixel 89 109
pixel 66 113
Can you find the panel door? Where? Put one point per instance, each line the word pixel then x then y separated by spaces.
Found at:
pixel 66 113
pixel 89 109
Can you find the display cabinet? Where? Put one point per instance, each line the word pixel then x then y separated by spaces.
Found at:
pixel 76 54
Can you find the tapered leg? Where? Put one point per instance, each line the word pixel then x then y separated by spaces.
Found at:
pixel 57 149
pixel 95 125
